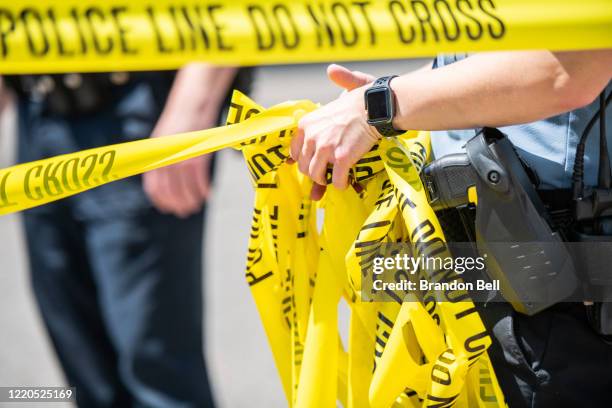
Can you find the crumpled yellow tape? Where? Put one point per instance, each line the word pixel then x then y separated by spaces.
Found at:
pixel 402 354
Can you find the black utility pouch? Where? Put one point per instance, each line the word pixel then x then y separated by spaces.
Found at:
pixel 513 229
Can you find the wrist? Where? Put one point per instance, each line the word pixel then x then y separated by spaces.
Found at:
pixel 371 131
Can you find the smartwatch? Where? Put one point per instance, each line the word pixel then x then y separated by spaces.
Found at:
pixel 380 106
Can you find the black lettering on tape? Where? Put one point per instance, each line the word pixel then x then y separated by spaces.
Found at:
pixel 428 232
pixel 422 242
pixel 443 10
pixel 107 159
pixel 92 159
pixel 447 357
pixel 58 36
pixel 398 159
pixel 212 10
pixel 253 279
pixel 38 43
pixel 255 255
pixel 477 33
pixel 424 16
pixel 36 194
pixel 430 305
pixel 262 164
pixel 71 169
pixel 362 6
pixel 497 28
pixel 4 200
pixel 238 116
pixel 7 26
pixel 122 30
pixel 431 248
pixel 159 38
pixel 263 29
pixel 464 313
pixel 277 151
pixel 103 46
pixel 485 384
pixel 286 24
pixel 77 23
pixel 196 27
pixel 51 181
pixel 348 30
pixel 471 345
pixel 177 29
pixel 405 31
pixel 453 296
pixel 440 374
pixel 322 26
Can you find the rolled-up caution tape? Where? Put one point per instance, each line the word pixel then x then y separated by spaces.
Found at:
pixel 43 36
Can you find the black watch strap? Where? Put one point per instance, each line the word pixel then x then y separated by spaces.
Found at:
pixel 383 81
pixel 386 129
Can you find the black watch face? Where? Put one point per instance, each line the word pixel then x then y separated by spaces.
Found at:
pixel 378 105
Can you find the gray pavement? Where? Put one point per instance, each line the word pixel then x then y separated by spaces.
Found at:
pixel 240 363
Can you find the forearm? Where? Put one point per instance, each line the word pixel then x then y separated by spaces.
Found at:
pixel 497 89
pixel 196 97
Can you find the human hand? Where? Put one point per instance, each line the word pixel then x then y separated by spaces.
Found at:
pixel 336 133
pixel 180 189
pixel 193 104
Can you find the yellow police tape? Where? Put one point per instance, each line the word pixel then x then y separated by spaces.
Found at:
pixel 44 36
pixel 429 350
pixel 31 184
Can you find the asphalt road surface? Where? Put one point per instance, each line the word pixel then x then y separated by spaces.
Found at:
pixel 240 363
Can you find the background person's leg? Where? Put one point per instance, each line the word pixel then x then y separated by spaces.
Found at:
pixel 61 276
pixel 66 296
pixel 148 270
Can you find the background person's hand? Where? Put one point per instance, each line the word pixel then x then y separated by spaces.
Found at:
pixel 194 104
pixel 336 134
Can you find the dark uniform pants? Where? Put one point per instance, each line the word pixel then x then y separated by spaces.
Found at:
pixel 118 284
pixel 553 359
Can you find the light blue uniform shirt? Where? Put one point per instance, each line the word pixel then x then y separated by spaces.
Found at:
pixel 548 146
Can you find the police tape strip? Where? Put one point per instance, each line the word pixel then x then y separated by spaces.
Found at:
pixel 46 36
pixel 32 184
pixel 299 274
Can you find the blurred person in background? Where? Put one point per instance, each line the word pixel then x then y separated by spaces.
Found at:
pixel 116 270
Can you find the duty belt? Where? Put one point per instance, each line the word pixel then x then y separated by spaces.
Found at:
pixel 78 94
pixel 544 245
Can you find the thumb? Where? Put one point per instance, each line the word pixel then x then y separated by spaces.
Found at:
pixel 347 79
